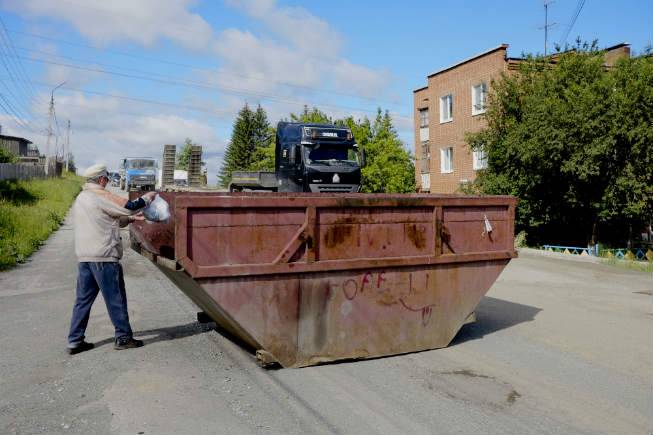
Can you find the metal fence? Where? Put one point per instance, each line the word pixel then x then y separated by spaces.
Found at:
pixel 13 171
pixel 635 254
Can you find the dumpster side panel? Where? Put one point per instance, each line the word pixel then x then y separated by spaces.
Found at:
pixel 311 318
pixel 386 312
pixel 378 232
pixel 240 236
pixel 266 307
pixel 467 228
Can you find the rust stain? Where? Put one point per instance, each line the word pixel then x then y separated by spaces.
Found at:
pixel 387 298
pixel 337 234
pixel 416 235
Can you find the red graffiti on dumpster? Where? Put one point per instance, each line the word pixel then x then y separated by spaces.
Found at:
pixel 351 288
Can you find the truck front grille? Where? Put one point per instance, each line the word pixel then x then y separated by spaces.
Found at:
pixel 334 188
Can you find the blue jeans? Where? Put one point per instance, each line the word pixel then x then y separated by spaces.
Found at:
pixel 92 278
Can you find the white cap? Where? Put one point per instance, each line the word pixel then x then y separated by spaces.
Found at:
pixel 96 171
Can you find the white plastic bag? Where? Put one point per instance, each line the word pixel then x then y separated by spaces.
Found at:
pixel 157 211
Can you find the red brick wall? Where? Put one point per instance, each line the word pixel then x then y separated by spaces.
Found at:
pixel 457 81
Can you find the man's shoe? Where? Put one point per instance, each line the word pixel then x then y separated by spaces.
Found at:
pixel 81 347
pixel 123 343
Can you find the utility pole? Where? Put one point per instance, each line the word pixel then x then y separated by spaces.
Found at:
pixel 66 150
pixel 50 117
pixel 546 24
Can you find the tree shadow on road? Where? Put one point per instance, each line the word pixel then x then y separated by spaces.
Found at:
pixel 493 315
pixel 167 333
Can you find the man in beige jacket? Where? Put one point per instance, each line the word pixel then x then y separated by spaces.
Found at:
pixel 98 216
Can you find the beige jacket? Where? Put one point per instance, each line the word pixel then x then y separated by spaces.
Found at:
pixel 97 218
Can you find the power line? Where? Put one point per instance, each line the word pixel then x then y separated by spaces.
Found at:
pixel 136 99
pixel 271 97
pixel 215 112
pixel 12 48
pixel 11 111
pixel 15 70
pixel 17 107
pixel 198 68
pixel 572 21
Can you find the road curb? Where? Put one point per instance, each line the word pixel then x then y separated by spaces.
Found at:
pixel 531 252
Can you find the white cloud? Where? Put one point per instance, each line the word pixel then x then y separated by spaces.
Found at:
pixel 272 68
pixel 142 21
pixel 266 66
pixel 106 129
pixel 304 52
pixel 296 25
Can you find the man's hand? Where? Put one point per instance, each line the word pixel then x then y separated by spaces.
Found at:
pixel 138 217
pixel 149 196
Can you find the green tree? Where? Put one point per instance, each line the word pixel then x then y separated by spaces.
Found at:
pixel 573 141
pixel 183 156
pixel 314 115
pixel 7 156
pixel 250 141
pixel 389 167
pixel 262 150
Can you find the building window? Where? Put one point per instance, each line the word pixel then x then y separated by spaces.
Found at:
pixel 479 98
pixel 446 160
pixel 426 181
pixel 425 158
pixel 479 158
pixel 446 108
pixel 424 118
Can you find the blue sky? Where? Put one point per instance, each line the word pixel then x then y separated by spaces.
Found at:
pixel 202 60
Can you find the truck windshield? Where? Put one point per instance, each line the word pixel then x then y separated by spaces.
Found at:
pixel 140 164
pixel 330 155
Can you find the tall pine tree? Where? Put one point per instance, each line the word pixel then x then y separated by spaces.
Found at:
pixel 389 167
pixel 251 134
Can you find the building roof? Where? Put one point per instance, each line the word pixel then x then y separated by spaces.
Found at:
pixel 513 62
pixel 20 139
pixel 469 59
pixel 464 61
pixel 614 47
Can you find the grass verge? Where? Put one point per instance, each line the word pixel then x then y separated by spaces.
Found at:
pixel 640 266
pixel 30 210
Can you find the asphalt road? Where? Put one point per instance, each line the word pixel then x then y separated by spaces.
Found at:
pixel 559 347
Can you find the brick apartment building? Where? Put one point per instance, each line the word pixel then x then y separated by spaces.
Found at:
pixel 451 105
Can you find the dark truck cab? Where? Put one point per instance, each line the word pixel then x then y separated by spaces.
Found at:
pixel 308 158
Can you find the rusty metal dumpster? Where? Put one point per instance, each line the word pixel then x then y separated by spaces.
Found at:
pixel 308 278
